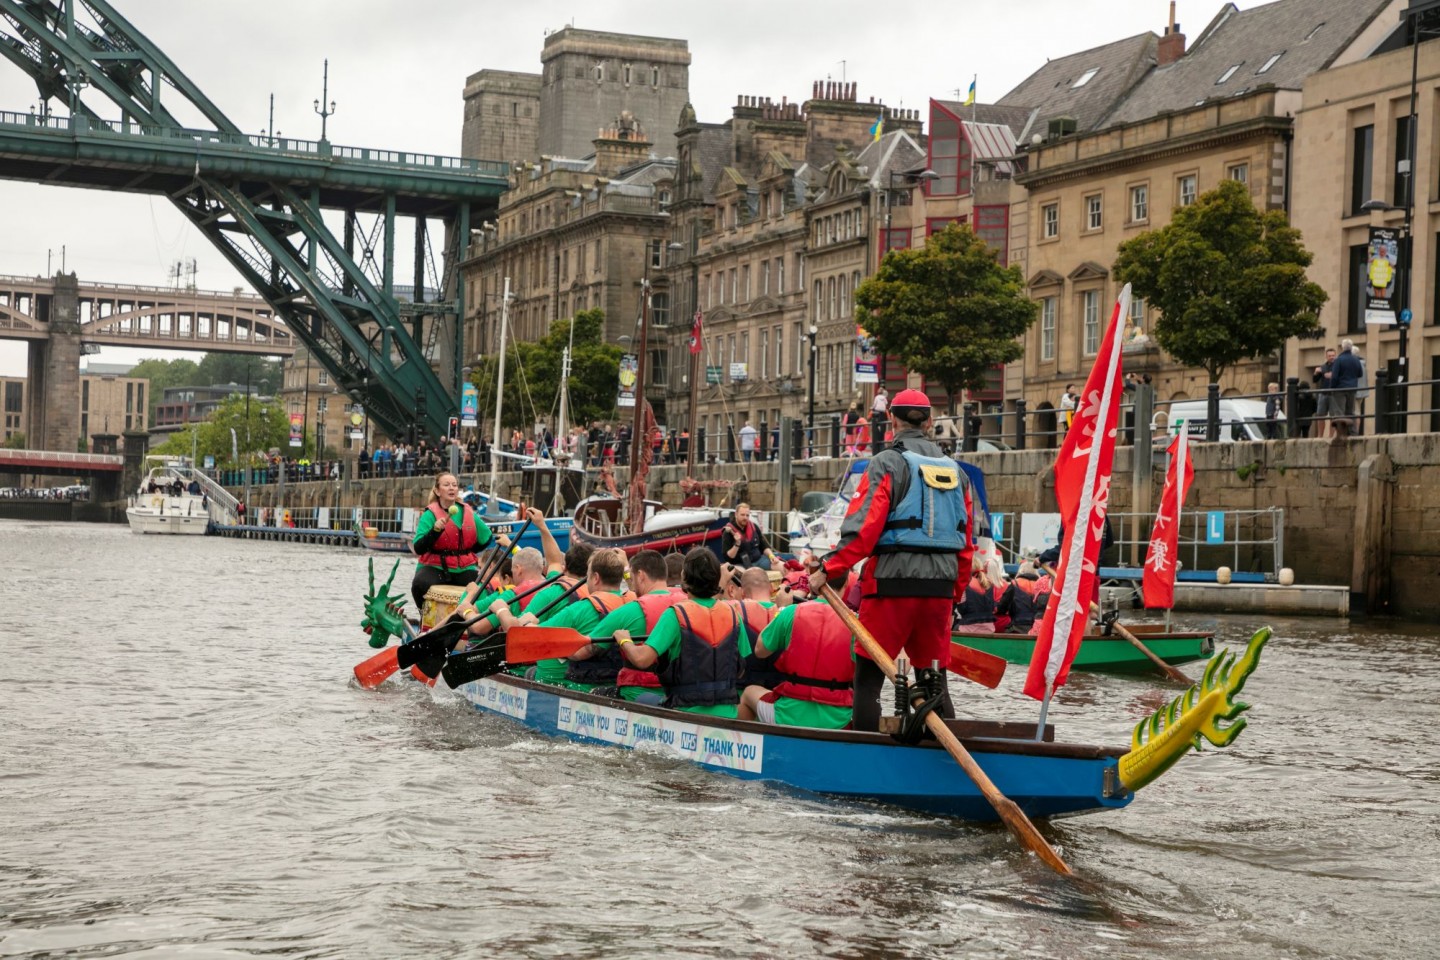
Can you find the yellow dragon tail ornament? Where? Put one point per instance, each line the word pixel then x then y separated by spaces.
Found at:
pixel 1168 734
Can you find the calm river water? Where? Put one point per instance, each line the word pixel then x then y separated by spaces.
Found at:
pixel 186 770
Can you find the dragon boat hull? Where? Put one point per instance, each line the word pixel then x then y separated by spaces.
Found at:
pixel 1100 654
pixel 1045 778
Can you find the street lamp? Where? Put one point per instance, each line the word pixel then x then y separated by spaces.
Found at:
pixel 814 351
pixel 325 114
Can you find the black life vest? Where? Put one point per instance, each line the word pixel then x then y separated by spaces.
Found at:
pixel 706 670
pixel 756 618
pixel 978 605
pixel 1027 603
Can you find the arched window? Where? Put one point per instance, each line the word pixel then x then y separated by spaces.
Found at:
pixel 844 296
pixel 830 313
pixel 819 301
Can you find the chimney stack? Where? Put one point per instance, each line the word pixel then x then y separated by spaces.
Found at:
pixel 1172 42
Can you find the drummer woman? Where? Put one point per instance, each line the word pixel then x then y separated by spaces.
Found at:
pixel 447 538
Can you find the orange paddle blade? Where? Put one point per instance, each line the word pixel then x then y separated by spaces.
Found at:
pixel 420 675
pixel 984 668
pixel 530 644
pixel 373 672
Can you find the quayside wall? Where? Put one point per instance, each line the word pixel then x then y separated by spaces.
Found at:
pixel 1365 513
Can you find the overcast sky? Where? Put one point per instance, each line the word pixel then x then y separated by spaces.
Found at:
pixel 398 69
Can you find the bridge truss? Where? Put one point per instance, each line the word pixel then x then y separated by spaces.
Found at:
pixel 259 200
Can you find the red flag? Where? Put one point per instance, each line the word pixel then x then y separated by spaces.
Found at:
pixel 1082 487
pixel 1160 567
pixel 695 334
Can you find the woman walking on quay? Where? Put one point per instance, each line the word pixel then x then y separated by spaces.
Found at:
pixel 447 536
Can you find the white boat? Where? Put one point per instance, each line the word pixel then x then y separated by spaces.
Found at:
pixel 165 503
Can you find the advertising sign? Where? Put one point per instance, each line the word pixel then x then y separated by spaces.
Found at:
pixel 713 375
pixel 297 429
pixel 726 749
pixel 1381 269
pixel 629 376
pixel 469 405
pixel 739 372
pixel 867 364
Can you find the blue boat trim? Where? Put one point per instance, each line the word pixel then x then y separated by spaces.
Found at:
pixel 1045 778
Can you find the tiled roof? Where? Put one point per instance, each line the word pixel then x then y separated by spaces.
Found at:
pixel 1306 34
pixel 1017 118
pixel 712 151
pixel 895 151
pixel 1052 90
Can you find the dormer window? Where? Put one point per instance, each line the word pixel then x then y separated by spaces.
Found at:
pixel 1270 63
pixel 1229 72
pixel 1085 78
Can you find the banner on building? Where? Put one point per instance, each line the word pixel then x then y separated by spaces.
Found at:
pixel 629 375
pixel 297 429
pixel 739 372
pixel 867 362
pixel 1381 271
pixel 469 405
pixel 357 421
pixel 714 374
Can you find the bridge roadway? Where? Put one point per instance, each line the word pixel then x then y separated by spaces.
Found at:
pixel 118 315
pixel 57 463
pixel 83 152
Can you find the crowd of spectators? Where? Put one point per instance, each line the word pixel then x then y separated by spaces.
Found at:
pixel 77 491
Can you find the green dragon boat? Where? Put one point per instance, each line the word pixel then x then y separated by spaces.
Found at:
pixel 1102 654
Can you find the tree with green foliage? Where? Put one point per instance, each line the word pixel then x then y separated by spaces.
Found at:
pixel 1228 279
pixel 264 375
pixel 948 310
pixel 268 426
pixel 532 374
pixel 16 441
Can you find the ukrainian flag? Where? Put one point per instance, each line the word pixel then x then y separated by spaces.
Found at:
pixel 970 97
pixel 877 128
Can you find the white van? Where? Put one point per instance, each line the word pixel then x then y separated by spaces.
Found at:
pixel 1239 420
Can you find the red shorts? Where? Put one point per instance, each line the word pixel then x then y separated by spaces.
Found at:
pixel 918 625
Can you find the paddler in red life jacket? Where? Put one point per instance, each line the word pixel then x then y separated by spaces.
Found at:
pixel 598 667
pixel 447 537
pixel 697 647
pixel 912 513
pixel 811 649
pixel 1024 600
pixel 748 592
pixel 605 579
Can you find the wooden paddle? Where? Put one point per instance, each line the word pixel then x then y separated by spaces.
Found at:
pixel 1013 816
pixel 1161 665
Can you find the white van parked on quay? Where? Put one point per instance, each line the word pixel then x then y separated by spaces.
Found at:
pixel 1239 420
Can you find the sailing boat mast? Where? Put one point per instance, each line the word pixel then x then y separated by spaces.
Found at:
pixel 644 349
pixel 499 398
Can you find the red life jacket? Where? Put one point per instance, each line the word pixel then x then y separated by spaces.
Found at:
pixel 652 605
pixel 753 614
pixel 817 664
pixel 706 669
pixel 605 602
pixel 455 547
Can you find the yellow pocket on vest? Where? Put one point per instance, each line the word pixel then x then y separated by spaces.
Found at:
pixel 939 478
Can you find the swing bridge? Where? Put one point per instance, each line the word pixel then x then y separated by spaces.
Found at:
pixel 262 201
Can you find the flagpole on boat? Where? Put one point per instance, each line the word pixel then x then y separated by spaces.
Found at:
pixel 492 505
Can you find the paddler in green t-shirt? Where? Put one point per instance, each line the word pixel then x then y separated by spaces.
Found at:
pixel 697 647
pixel 605 583
pixel 599 666
pixel 813 653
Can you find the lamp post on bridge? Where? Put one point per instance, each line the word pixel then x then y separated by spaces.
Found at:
pixel 320 108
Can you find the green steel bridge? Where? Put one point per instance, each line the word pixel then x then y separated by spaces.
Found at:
pixel 261 201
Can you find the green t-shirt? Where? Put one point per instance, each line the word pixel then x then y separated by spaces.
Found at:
pixel 508 595
pixel 426 524
pixel 630 618
pixel 581 616
pixel 665 641
pixel 789 711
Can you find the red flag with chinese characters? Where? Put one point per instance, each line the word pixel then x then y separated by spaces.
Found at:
pixel 1082 488
pixel 695 335
pixel 1160 568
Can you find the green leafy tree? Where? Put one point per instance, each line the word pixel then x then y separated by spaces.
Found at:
pixel 16 441
pixel 268 426
pixel 162 375
pixel 948 310
pixel 532 374
pixel 1229 280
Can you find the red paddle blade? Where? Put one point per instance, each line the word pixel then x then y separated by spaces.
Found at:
pixel 373 672
pixel 984 668
pixel 420 675
pixel 531 644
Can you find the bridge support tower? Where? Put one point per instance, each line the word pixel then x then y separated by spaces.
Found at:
pixel 54 372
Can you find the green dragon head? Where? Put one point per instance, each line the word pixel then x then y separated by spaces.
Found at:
pixel 1170 732
pixel 384 614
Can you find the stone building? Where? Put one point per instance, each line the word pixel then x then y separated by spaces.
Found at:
pixel 587 79
pixel 744 216
pixel 1352 145
pixel 309 393
pixel 576 235
pixel 1222 110
pixel 107 403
